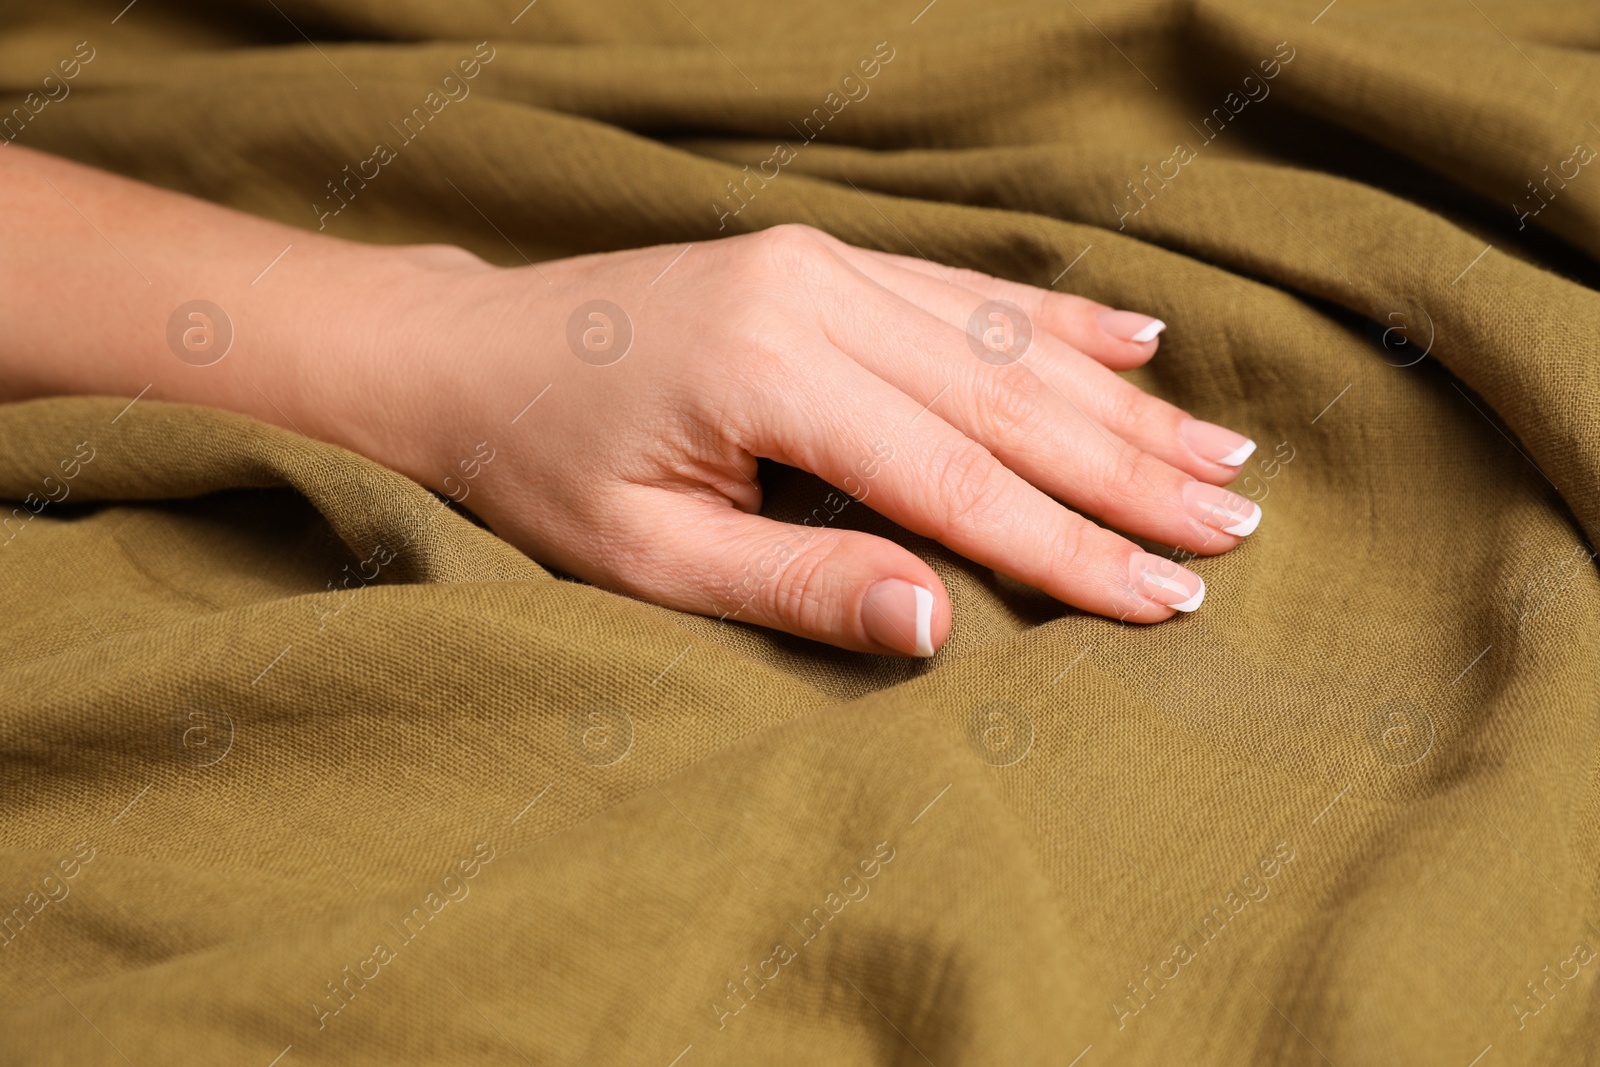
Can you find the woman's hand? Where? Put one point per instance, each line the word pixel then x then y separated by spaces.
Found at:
pixel 604 413
pixel 657 376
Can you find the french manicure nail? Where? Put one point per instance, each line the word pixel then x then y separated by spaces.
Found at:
pixel 899 615
pixel 1222 510
pixel 1216 443
pixel 1130 325
pixel 1165 582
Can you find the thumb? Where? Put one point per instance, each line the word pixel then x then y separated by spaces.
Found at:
pixel 842 587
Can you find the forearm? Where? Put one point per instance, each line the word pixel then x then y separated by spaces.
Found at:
pixel 94 270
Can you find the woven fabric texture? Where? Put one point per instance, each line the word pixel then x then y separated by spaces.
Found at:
pixel 257 805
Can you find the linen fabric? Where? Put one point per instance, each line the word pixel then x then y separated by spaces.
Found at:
pixel 303 766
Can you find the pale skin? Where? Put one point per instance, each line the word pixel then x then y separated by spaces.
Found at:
pixel 640 475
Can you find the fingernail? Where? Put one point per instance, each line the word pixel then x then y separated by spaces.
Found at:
pixel 1216 443
pixel 899 615
pixel 1130 325
pixel 1222 510
pixel 1165 582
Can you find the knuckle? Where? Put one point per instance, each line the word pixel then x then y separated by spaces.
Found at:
pixel 801 600
pixel 1121 408
pixel 1131 474
pixel 791 232
pixel 783 259
pixel 1067 548
pixel 970 487
pixel 788 244
pixel 1134 413
pixel 1072 313
pixel 1010 403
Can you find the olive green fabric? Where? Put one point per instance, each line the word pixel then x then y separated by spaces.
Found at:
pixel 300 763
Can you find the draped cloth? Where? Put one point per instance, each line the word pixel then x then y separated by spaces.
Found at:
pixel 300 762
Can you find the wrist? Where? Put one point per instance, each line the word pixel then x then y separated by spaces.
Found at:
pixel 376 369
